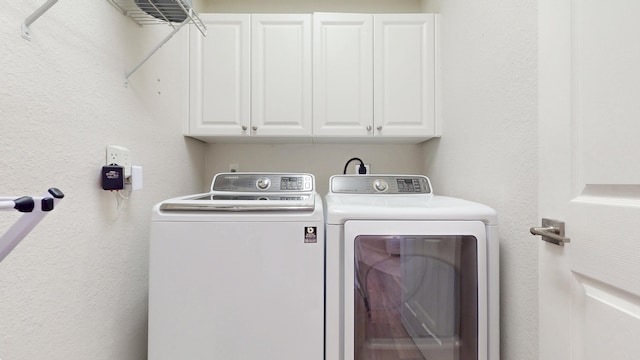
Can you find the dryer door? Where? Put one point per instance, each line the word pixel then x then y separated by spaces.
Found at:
pixel 415 289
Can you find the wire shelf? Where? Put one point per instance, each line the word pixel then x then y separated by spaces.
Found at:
pixel 175 13
pixel 160 12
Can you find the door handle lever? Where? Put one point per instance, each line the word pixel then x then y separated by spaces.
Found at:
pixel 552 231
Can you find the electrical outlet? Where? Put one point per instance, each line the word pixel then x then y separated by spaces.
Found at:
pixel 366 166
pixel 119 155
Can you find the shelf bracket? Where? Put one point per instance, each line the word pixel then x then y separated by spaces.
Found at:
pixel 175 30
pixel 33 17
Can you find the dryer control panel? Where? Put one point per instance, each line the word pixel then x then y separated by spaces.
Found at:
pixel 380 184
pixel 263 182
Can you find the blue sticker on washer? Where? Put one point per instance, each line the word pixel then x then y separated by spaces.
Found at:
pixel 310 234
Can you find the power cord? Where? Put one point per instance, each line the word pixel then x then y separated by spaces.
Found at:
pixel 361 168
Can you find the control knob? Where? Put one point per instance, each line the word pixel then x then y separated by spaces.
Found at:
pixel 380 185
pixel 263 183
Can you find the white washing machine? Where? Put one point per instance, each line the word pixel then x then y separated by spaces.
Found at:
pixel 409 275
pixel 238 273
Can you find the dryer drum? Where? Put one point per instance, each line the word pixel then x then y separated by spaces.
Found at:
pixel 165 9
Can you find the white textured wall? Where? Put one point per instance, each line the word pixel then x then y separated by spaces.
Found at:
pixel 76 287
pixel 322 160
pixel 488 150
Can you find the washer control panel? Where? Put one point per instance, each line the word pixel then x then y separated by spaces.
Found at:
pixel 380 184
pixel 263 182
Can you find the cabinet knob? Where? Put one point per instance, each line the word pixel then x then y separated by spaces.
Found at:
pixel 369 128
pixel 244 127
pixel 379 128
pixel 254 128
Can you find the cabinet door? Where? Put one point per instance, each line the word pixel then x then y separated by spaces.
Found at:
pixel 404 75
pixel 281 75
pixel 219 76
pixel 342 75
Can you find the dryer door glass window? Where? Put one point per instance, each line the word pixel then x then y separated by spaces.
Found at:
pixel 415 297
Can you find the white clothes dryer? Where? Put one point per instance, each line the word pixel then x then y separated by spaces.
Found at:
pixel 238 273
pixel 409 275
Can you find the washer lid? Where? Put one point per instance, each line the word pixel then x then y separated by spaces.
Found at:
pixel 251 192
pixel 241 202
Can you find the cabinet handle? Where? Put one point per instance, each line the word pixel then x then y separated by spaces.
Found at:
pixel 244 127
pixel 369 128
pixel 254 128
pixel 379 128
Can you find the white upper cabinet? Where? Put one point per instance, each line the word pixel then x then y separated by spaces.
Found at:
pixel 375 77
pixel 342 75
pixel 405 84
pixel 219 76
pixel 281 75
pixel 371 78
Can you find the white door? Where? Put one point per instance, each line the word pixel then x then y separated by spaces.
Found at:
pixel 589 111
pixel 405 54
pixel 342 75
pixel 281 75
pixel 219 76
